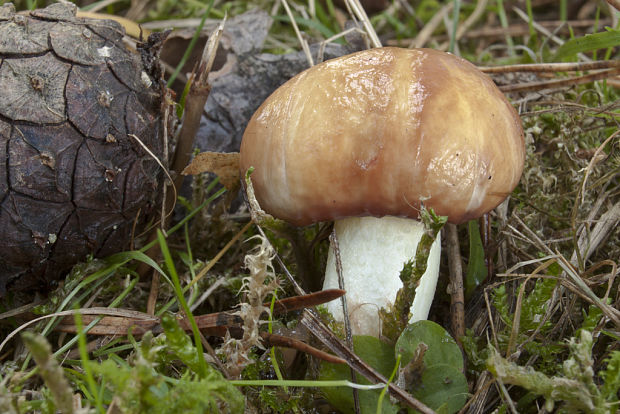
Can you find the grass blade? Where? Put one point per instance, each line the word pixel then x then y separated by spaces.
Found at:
pixel 182 302
pixel 602 40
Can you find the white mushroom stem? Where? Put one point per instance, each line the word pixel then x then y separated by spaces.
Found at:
pixel 373 252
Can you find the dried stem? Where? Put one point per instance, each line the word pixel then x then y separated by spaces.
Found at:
pixel 552 67
pixel 495 32
pixel 153 293
pixel 286 342
pixel 481 6
pixel 302 41
pixel 194 106
pixel 593 161
pixel 457 297
pixel 358 12
pixel 559 83
pixel 333 240
pixel 428 29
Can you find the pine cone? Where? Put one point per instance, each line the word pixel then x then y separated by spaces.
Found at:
pixel 73 179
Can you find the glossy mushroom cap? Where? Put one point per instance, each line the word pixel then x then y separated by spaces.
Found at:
pixel 379 131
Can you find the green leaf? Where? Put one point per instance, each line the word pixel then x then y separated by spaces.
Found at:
pixel 476 266
pixel 442 349
pixel 610 38
pixel 443 388
pixel 379 356
pixel 439 381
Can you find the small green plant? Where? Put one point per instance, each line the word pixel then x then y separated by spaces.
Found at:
pixel 533 328
pixel 430 368
pixel 143 385
pixel 50 371
pixel 576 389
pixel 476 266
pixel 532 321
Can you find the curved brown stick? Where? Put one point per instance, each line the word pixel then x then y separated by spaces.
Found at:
pixel 559 83
pixel 286 342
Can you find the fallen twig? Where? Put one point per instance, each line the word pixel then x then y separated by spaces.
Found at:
pixel 286 342
pixel 552 67
pixel 122 322
pixel 559 83
pixel 455 290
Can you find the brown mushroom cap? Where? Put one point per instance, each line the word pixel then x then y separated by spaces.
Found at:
pixel 379 131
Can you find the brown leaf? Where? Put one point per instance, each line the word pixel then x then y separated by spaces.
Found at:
pixel 224 164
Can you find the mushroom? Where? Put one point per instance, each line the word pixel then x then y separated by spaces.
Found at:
pixel 364 140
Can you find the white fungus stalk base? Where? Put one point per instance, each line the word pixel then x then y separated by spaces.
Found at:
pixel 373 252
